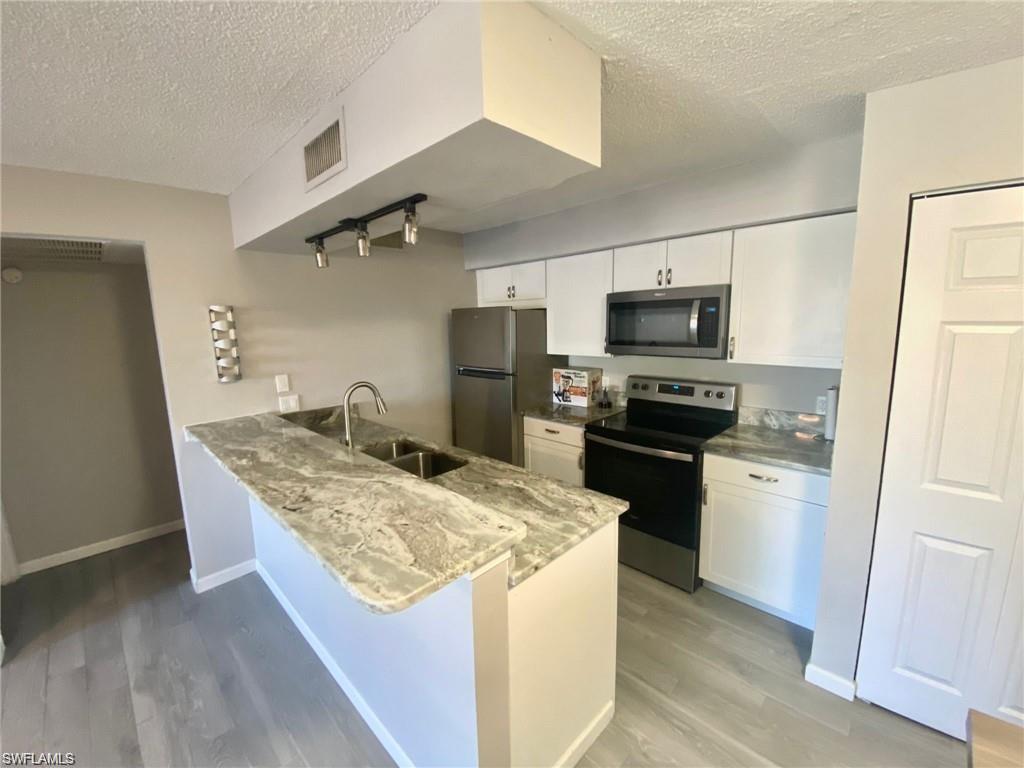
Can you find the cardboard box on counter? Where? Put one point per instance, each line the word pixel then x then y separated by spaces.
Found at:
pixel 576 386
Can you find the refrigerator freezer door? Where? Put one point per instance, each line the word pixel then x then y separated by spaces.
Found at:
pixel 482 413
pixel 483 338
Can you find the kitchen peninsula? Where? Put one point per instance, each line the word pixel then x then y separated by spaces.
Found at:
pixel 471 617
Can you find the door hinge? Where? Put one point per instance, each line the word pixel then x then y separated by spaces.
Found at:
pixel 579 460
pixel 704 495
pixel 732 347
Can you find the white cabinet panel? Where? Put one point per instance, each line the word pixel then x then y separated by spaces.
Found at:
pixel 790 284
pixel 763 547
pixel 558 460
pixel 576 301
pixel 640 267
pixel 699 260
pixel 494 285
pixel 528 281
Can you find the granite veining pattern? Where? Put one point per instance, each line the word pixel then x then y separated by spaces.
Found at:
pixel 571 415
pixel 781 448
pixel 389 537
pixel 773 418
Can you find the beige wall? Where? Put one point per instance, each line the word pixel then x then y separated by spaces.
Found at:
pixel 961 129
pixel 382 318
pixel 86 444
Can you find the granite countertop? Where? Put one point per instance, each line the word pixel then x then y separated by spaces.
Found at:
pixel 777 447
pixel 572 415
pixel 389 537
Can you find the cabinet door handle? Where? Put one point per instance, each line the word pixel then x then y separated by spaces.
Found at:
pixel 763 478
pixel 552 431
pixel 704 495
pixel 579 460
pixel 732 347
pixel 668 276
pixel 508 291
pixel 660 272
pixel 513 291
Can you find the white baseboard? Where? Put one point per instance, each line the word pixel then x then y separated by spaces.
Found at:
pixel 830 681
pixel 96 548
pixel 221 577
pixel 379 729
pixel 586 739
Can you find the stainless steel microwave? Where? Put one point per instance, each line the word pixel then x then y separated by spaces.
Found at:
pixel 674 322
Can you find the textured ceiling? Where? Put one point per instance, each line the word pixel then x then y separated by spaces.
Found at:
pixel 694 86
pixel 194 95
pixel 198 95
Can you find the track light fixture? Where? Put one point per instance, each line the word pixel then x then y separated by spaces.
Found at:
pixel 359 225
pixel 321 255
pixel 410 228
pixel 362 239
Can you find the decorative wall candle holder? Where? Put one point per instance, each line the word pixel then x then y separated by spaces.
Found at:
pixel 225 343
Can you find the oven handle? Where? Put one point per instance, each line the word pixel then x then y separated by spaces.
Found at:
pixel 641 449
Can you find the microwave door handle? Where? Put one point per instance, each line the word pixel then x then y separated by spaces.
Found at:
pixel 695 322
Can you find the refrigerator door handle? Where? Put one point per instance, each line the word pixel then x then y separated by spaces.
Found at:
pixel 482 373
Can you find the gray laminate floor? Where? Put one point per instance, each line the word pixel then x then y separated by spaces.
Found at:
pixel 116 659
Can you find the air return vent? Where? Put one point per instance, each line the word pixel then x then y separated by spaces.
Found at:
pixel 325 155
pixel 26 249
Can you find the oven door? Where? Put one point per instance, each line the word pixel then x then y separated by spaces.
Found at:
pixel 661 486
pixel 676 322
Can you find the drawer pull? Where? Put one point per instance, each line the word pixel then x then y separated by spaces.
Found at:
pixel 552 431
pixel 763 478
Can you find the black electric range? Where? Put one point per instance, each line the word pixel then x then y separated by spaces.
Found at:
pixel 650 455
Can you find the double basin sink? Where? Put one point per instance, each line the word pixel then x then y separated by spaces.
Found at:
pixel 414 458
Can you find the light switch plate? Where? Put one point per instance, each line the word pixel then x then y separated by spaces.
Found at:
pixel 282 383
pixel 288 403
pixel 821 405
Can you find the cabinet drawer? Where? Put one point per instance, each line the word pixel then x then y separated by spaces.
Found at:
pixel 791 483
pixel 551 430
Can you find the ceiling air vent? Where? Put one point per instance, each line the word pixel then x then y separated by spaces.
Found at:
pixel 27 249
pixel 325 155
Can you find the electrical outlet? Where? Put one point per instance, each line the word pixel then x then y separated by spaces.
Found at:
pixel 288 403
pixel 820 405
pixel 282 383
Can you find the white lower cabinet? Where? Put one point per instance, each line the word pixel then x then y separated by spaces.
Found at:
pixel 554 450
pixel 762 535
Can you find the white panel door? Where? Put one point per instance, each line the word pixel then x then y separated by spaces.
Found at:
pixel 494 285
pixel 699 260
pixel 943 612
pixel 577 303
pixel 790 284
pixel 528 281
pixel 640 267
pixel 557 460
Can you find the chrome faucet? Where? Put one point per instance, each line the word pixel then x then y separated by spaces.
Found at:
pixel 381 407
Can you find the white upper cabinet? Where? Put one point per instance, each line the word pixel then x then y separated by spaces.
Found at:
pixel 699 260
pixel 515 284
pixel 577 287
pixel 640 267
pixel 790 285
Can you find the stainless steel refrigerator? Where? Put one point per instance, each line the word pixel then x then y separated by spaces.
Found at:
pixel 500 368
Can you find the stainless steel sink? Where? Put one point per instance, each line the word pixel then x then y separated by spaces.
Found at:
pixel 392 450
pixel 427 464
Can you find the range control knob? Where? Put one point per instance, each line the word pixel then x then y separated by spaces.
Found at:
pixel 720 395
pixel 635 385
pixel 707 393
pixel 645 387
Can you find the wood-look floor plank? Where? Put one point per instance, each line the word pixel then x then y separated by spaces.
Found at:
pixel 66 720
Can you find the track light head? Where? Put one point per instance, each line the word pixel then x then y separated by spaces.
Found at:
pixel 410 229
pixel 321 255
pixel 362 239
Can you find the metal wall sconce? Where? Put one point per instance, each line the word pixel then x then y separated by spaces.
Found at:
pixel 225 343
pixel 359 224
